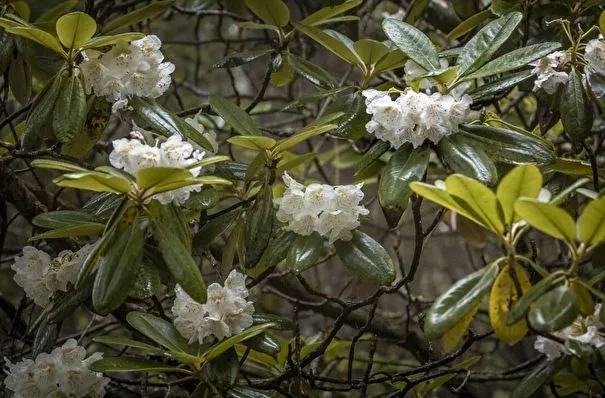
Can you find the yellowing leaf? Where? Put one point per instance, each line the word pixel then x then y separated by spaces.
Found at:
pixel 452 337
pixel 591 224
pixel 503 295
pixel 547 218
pixel 522 181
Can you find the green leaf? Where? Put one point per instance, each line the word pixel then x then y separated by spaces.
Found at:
pixel 210 230
pixel 94 181
pixel 69 114
pixel 254 142
pixel 499 86
pixel 377 149
pixel 575 108
pixel 477 199
pixel 62 218
pixel 305 252
pixel 222 372
pixel 519 309
pixel 458 300
pixel 547 218
pixel 132 364
pixel 540 375
pixel 486 42
pixel 394 59
pixel 272 12
pixel 153 176
pixel 555 310
pixel 96 121
pixel 258 224
pixel 206 199
pixel 312 72
pixel 88 229
pixel 307 133
pixel 405 166
pixel 522 181
pixel 39 114
pixel 413 43
pixel 468 159
pixel 102 41
pixel 20 79
pixel 591 224
pixel 138 15
pixel 167 123
pixel 39 36
pixel 469 24
pixel 515 59
pixel 234 116
pixel 120 264
pixel 177 256
pixel 330 12
pixel 416 10
pixel 275 253
pixel 331 43
pixel 53 13
pixel 238 59
pixel 75 28
pixel 258 26
pixel 147 283
pixel 263 343
pixel 224 345
pixel 509 146
pixel 442 198
pixel 352 124
pixel 46 336
pixel 158 330
pixel 121 341
pixel 66 304
pixel 370 51
pixel 366 258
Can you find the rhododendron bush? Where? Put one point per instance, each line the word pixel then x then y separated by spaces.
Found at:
pixel 310 198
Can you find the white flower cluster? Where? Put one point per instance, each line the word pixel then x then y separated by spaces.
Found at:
pixel 127 69
pixel 584 330
pixel 550 71
pixel 226 313
pixel 40 276
pixel 594 54
pixel 132 155
pixel 62 373
pixel 330 211
pixel 414 117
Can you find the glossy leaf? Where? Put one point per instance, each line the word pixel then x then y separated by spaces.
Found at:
pixel 138 15
pixel 450 307
pixel 312 73
pixel 468 159
pixel 234 116
pixel 238 59
pixel 555 310
pixel 515 59
pixel 258 226
pixel 252 142
pixel 477 199
pixel 210 230
pixel 372 155
pixel 479 49
pixel 121 341
pixel 158 330
pixel 591 224
pixel 132 364
pixel 302 136
pixel 75 28
pixel 522 181
pixel 370 51
pixel 152 176
pixel 330 12
pixel 88 229
pixel 499 86
pixel 547 218
pixel 366 258
pixel 329 42
pixel 94 181
pixel 102 41
pixel 119 266
pixel 509 146
pixel 540 375
pixel 224 345
pixel 520 308
pixel 575 108
pixel 40 113
pixel 272 12
pixel 351 125
pixel 415 44
pixel 62 218
pixel 69 114
pixel 469 24
pixel 503 295
pixel 39 36
pixel 305 252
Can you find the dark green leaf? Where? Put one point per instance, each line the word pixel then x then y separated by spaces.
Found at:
pixel 519 309
pixel 239 59
pixel 147 283
pixel 576 109
pixel 458 300
pixel 351 125
pixel 272 12
pixel 330 12
pixel 405 166
pixel 65 305
pixel 247 392
pixel 371 156
pixel 234 116
pixel 132 364
pixel 46 336
pixel 62 218
pixel 119 266
pixel 596 84
pixel 555 310
pixel 138 15
pixel 69 114
pixel 312 72
pixel 540 375
pixel 499 86
pixel 158 330
pixel 203 200
pixel 415 44
pixel 333 44
pixel 259 224
pixel 479 49
pixel 263 343
pixel 223 371
pixel 88 229
pixel 366 258
pixel 467 158
pixel 211 229
pixel 20 79
pixel 40 113
pixel 112 340
pixel 509 146
pixel 276 251
pixel 224 345
pixel 304 252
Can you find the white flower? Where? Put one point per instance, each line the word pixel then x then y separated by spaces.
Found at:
pixel 584 330
pixel 549 72
pixel 226 312
pixel 594 54
pixel 132 155
pixel 62 373
pixel 414 117
pixel 127 70
pixel 332 212
pixel 40 277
